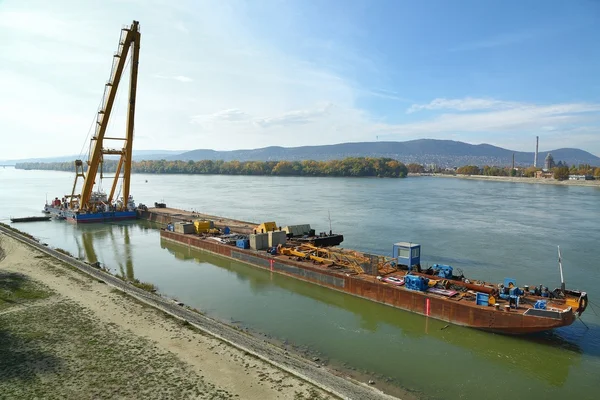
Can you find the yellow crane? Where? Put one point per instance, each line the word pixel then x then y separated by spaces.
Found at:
pixel 86 200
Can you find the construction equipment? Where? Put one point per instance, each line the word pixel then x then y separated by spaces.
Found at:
pixel 359 263
pixel 88 200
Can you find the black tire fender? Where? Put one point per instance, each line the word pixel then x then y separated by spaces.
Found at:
pixel 583 303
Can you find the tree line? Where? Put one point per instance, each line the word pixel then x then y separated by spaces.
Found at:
pixel 351 167
pixel 560 172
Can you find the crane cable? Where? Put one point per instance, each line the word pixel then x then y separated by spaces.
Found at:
pixel 117 102
pixel 94 119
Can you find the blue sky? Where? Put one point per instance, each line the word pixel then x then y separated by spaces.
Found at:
pixel 246 74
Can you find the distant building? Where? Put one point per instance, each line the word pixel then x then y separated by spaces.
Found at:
pixel 549 162
pixel 580 177
pixel 431 167
pixel 543 174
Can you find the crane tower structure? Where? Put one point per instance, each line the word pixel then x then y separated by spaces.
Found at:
pixel 93 206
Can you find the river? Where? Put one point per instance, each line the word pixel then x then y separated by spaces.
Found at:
pixel 491 230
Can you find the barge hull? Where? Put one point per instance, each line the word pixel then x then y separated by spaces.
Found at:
pixel 102 217
pixel 368 287
pixel 92 217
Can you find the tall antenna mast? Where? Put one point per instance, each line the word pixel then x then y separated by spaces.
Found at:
pixel 562 280
pixel 535 157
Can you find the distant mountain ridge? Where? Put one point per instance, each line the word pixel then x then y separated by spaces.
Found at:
pixel 444 153
pixel 137 156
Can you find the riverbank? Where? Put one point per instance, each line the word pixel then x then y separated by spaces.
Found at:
pixel 84 332
pixel 516 179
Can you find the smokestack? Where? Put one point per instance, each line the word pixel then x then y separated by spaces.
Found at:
pixel 537 142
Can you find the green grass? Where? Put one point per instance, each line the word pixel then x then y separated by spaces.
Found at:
pixel 60 350
pixel 63 251
pixel 17 289
pixel 311 394
pixel 149 287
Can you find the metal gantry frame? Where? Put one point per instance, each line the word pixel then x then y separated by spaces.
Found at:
pixel 130 39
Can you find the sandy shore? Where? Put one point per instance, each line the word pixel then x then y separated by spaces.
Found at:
pixel 549 181
pixel 99 337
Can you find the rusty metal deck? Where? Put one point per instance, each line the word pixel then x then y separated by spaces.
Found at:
pixel 458 311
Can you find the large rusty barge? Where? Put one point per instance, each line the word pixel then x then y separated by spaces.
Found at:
pixel 397 281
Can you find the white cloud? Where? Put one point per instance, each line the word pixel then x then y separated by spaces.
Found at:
pixel 466 104
pixel 231 115
pixel 533 117
pixel 222 87
pixel 295 117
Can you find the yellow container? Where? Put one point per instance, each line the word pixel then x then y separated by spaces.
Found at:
pixel 266 227
pixel 202 226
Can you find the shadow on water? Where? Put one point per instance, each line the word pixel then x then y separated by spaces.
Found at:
pixel 550 358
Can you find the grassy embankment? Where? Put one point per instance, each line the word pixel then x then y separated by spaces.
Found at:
pixel 73 337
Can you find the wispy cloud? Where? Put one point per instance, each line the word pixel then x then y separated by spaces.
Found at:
pixel 228 85
pixel 289 118
pixel 296 117
pixel 230 115
pixel 497 41
pixel 466 104
pixel 485 116
pixel 384 94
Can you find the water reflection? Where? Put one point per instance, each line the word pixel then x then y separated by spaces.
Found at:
pixel 115 236
pixel 550 360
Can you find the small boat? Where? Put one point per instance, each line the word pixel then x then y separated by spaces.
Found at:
pixel 30 219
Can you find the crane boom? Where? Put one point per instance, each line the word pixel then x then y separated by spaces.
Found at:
pixel 130 38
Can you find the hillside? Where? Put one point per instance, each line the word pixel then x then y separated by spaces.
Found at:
pixel 422 151
pixel 138 155
pixel 445 153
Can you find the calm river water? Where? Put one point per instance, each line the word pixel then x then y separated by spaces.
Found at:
pixel 491 230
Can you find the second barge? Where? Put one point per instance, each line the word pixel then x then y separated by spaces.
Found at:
pixel 399 282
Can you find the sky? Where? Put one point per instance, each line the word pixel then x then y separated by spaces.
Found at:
pixel 229 75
